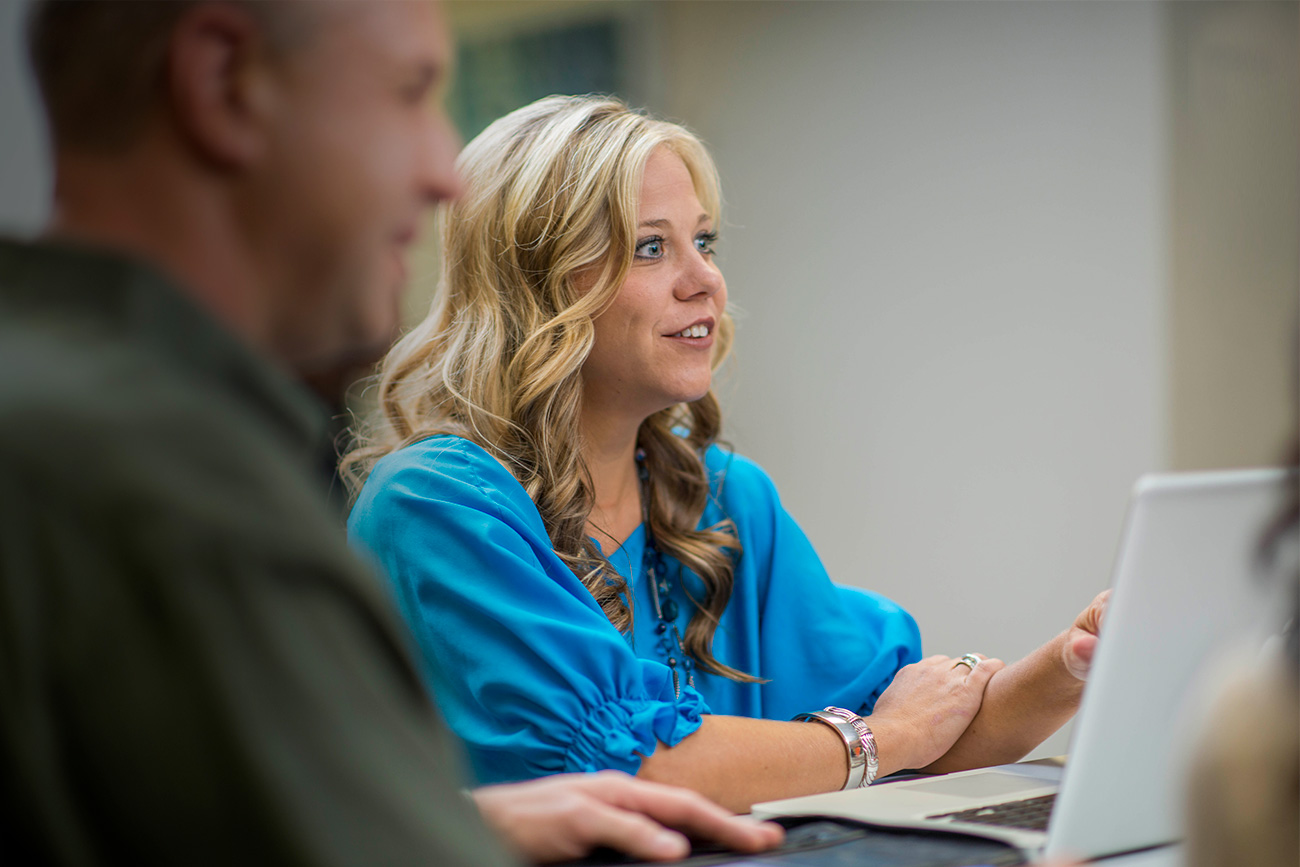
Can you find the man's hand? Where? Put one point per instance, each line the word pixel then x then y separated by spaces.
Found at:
pixel 1081 640
pixel 564 817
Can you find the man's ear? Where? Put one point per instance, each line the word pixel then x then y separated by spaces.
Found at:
pixel 218 83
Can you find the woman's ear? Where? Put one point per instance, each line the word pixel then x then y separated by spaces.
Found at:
pixel 219 83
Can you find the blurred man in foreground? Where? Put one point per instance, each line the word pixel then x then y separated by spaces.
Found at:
pixel 193 667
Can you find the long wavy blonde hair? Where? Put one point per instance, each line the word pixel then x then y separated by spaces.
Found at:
pixel 539 245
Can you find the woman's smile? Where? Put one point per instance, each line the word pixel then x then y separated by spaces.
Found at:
pixel 698 335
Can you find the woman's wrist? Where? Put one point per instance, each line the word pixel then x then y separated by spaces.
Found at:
pixel 1056 680
pixel 897 746
pixel 859 743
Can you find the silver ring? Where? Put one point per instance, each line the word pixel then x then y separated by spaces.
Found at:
pixel 969 660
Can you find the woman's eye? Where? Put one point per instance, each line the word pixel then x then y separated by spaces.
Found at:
pixel 650 248
pixel 704 243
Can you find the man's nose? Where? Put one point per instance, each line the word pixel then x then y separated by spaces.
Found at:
pixel 436 168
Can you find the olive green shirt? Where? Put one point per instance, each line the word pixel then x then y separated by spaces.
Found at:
pixel 194 668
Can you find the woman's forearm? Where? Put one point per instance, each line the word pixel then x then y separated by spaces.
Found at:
pixel 1023 705
pixel 738 762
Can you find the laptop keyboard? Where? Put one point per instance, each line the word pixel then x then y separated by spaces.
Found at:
pixel 818 842
pixel 1031 814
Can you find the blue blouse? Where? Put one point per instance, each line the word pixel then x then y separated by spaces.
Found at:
pixel 530 673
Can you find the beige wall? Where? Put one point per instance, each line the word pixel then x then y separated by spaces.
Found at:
pixel 1235 223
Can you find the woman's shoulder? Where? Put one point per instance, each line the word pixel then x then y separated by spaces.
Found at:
pixel 447 458
pixel 736 480
pixel 447 468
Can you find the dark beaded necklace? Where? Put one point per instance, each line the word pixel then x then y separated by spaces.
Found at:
pixel 666 610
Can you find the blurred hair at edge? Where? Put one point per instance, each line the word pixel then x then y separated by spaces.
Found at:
pixel 1244 792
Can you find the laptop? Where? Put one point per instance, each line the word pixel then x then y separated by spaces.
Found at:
pixel 1189 591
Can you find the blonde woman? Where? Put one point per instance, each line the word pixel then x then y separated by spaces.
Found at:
pixel 595 583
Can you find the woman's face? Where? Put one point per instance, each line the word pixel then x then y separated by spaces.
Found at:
pixel 654 343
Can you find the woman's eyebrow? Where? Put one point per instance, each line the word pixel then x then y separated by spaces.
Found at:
pixel 664 222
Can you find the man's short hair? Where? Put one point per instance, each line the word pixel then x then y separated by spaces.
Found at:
pixel 99 64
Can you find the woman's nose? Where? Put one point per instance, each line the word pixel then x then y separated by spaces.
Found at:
pixel 702 279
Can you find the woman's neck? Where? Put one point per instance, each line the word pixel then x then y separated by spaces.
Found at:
pixel 609 450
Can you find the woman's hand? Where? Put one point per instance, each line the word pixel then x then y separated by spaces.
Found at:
pixel 1081 639
pixel 1031 699
pixel 566 816
pixel 926 708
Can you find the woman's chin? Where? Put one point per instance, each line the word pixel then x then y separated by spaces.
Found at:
pixel 683 393
pixel 692 395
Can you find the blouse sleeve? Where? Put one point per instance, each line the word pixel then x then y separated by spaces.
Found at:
pixel 821 643
pixel 525 666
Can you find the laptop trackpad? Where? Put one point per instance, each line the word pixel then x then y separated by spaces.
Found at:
pixel 976 785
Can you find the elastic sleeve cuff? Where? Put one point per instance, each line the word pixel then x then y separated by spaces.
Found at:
pixel 618 733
